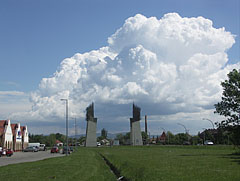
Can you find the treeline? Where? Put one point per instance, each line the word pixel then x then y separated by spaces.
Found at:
pixel 217 136
pixel 49 140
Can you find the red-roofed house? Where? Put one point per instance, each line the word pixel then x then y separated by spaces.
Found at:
pixel 163 137
pixel 6 138
pixel 59 143
pixel 17 137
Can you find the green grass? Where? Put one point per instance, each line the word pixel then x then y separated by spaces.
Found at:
pixel 135 163
pixel 85 164
pixel 175 162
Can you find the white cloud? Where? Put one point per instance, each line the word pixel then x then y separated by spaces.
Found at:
pixel 12 102
pixel 173 63
pixel 11 93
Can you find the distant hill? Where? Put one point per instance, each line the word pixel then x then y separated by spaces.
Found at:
pixel 109 135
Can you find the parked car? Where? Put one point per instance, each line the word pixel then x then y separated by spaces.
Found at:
pixel 71 148
pixel 31 149
pixel 6 152
pixel 65 150
pixel 207 142
pixel 9 152
pixel 42 147
pixel 54 149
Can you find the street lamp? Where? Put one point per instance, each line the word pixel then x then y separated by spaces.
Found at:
pixel 185 130
pixel 209 121
pixel 75 132
pixel 183 126
pixel 66 122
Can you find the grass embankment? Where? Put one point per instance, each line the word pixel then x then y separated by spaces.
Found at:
pixel 135 163
pixel 175 162
pixel 85 164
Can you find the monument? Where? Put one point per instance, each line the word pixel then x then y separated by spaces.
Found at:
pixel 91 138
pixel 135 129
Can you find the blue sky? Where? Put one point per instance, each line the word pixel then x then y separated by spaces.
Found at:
pixel 35 36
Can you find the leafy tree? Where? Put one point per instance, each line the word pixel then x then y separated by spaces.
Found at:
pixel 170 138
pixel 180 138
pixel 144 137
pixel 230 105
pixel 104 133
pixel 120 137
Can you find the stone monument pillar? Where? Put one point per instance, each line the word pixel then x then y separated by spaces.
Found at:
pixel 135 129
pixel 91 138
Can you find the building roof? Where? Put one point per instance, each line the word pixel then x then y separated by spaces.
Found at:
pixel 22 129
pixel 163 136
pixel 14 126
pixel 2 126
pixel 57 141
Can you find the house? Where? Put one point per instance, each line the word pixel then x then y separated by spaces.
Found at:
pixel 163 137
pixel 105 142
pixel 13 136
pixel 17 137
pixel 25 138
pixel 59 143
pixel 6 138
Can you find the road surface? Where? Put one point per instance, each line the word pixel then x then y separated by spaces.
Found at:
pixel 20 157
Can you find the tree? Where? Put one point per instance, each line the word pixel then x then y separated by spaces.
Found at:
pixel 144 137
pixel 230 105
pixel 104 133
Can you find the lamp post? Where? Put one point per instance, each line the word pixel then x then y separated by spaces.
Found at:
pixel 185 130
pixel 66 123
pixel 212 132
pixel 209 121
pixel 75 125
pixel 184 127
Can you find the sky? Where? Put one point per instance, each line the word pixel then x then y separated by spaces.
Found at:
pixel 168 57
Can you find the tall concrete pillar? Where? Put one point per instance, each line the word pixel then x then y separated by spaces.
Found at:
pixel 135 129
pixel 91 138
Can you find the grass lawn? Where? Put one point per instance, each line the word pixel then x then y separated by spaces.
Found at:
pixel 82 165
pixel 175 162
pixel 135 163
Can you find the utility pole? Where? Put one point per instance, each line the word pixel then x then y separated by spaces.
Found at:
pixel 66 123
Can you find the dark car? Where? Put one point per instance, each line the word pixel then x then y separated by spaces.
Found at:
pixel 31 149
pixel 65 150
pixel 71 148
pixel 54 149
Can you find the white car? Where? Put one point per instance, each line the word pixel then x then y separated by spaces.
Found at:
pixel 208 142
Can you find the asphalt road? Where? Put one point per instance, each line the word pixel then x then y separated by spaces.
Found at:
pixel 20 157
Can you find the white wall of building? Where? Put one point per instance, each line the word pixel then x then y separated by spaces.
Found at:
pixel 8 141
pixel 18 134
pixel 25 135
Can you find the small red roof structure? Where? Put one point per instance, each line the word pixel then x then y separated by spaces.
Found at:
pixel 14 126
pixel 2 126
pixel 163 137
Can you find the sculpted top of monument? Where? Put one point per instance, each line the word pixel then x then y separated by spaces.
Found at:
pixel 136 113
pixel 90 113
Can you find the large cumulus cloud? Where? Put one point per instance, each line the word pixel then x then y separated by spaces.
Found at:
pixel 173 64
